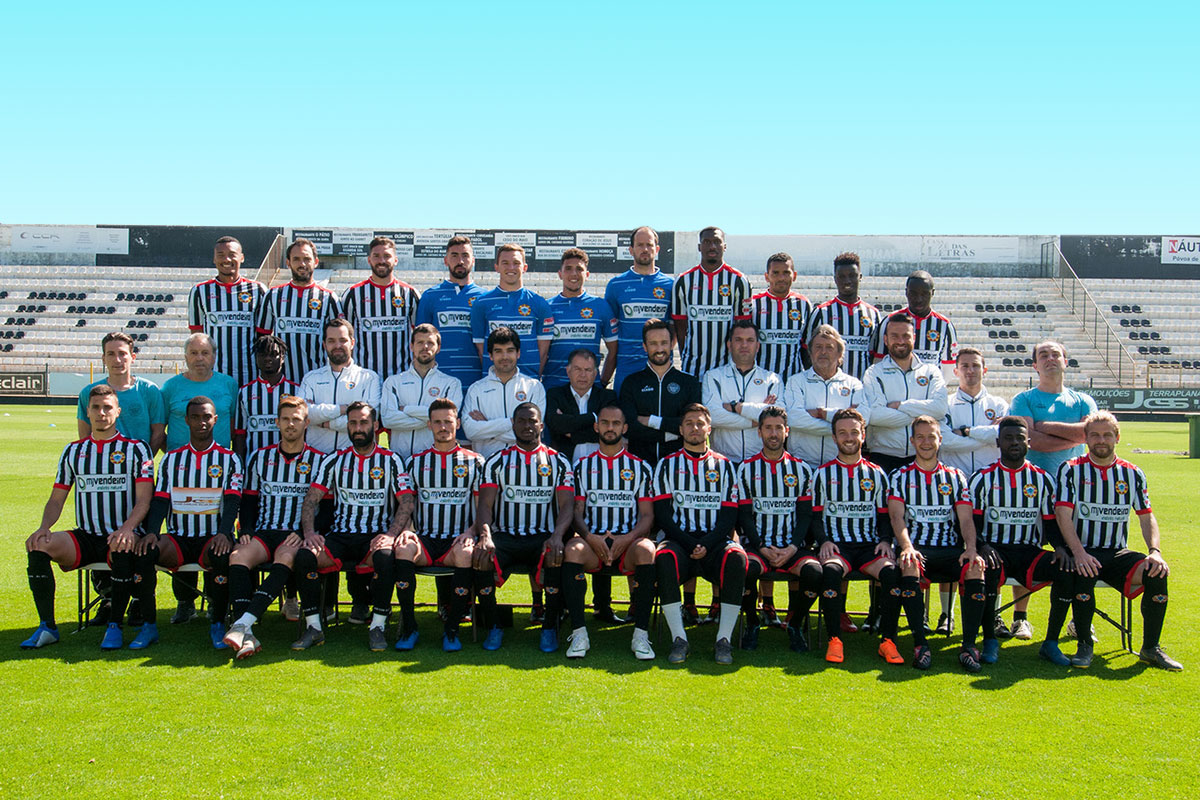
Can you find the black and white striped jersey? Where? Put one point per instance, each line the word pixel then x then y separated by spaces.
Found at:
pixel 280 482
pixel 364 490
pixel 1013 502
pixel 446 485
pixel 1100 499
pixel 297 315
pixel 698 488
pixel 855 323
pixel 710 302
pixel 774 489
pixel 195 483
pixel 781 324
pixel 936 339
pixel 930 499
pixel 227 312
pixel 611 487
pixel 383 318
pixel 848 497
pixel 256 414
pixel 103 475
pixel 527 483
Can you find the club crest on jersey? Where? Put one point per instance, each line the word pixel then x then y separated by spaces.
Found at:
pixel 794 314
pixel 990 413
pixel 944 489
pixel 844 391
pixel 658 293
pixel 244 297
pixel 116 457
pixel 586 313
pixel 350 385
pixel 922 380
pixel 1029 491
pixel 303 469
pixel 470 301
pixel 724 291
pixel 673 388
pixel 867 322
pixel 460 470
pixel 1122 487
pixel 314 303
pixel 434 391
pixel 932 336
pixel 789 480
pixel 711 475
pixel 214 471
pixel 524 310
pixel 544 470
pixel 520 397
pixel 376 473
pixel 758 381
pixel 867 484
pixel 397 301
pixel 626 474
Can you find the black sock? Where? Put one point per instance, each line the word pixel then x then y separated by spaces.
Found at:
pixel 575 591
pixel 552 584
pixel 643 595
pixel 601 590
pixel 183 585
pixel 794 600
pixel 1083 607
pixel 689 598
pixel 733 579
pixel 332 582
pixel 974 598
pixel 485 590
pixel 805 594
pixel 1020 615
pixel 309 582
pixel 1154 609
pixel 831 600
pixel 240 588
pixel 145 585
pixel 535 596
pixel 275 582
pixel 1061 592
pixel 123 568
pixel 383 582
pixel 668 580
pixel 358 586
pixel 406 594
pixel 913 602
pixel 750 604
pixel 41 583
pixel 460 595
pixel 216 581
pixel 991 602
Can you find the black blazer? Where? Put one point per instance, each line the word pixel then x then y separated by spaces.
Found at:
pixel 566 426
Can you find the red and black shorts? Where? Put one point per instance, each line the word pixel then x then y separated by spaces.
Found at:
pixel 435 549
pixel 271 540
pixel 188 549
pixel 346 549
pixel 1117 568
pixel 710 567
pixel 1028 563
pixel 514 552
pixel 621 566
pixel 856 556
pixel 90 548
pixel 941 565
pixel 801 555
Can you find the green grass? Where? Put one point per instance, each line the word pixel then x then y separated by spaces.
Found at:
pixel 181 720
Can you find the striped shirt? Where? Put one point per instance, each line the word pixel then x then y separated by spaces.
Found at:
pixel 1014 503
pixel 103 474
pixel 383 318
pixel 698 488
pixel 227 312
pixel 849 497
pixel 447 307
pixel 611 488
pixel 579 322
pixel 781 323
pixel 635 299
pixel 446 487
pixel 280 482
pixel 930 500
pixel 257 412
pixel 936 339
pixel 710 302
pixel 526 312
pixel 297 315
pixel 195 483
pixel 774 489
pixel 1100 499
pixel 526 483
pixel 856 323
pixel 364 489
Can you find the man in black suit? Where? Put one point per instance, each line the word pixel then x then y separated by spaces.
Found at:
pixel 571 410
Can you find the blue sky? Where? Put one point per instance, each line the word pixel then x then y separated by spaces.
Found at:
pixel 760 117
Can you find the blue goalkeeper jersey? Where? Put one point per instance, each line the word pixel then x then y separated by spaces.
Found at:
pixel 582 321
pixel 634 299
pixel 447 306
pixel 525 312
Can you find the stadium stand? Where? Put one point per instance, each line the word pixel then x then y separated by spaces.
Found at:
pixel 1159 322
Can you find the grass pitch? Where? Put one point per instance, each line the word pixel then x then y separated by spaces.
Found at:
pixel 181 720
